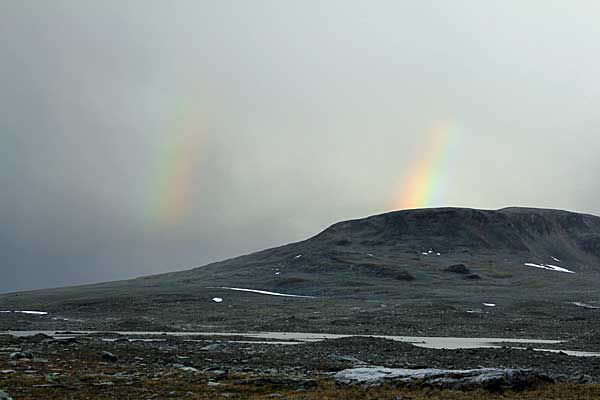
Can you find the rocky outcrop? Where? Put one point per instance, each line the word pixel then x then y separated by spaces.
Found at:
pixel 486 378
pixel 4 395
pixel 458 269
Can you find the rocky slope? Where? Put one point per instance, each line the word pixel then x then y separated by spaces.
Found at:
pixel 446 270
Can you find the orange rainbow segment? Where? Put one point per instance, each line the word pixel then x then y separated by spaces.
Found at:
pixel 422 181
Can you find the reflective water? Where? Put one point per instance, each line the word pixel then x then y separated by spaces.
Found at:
pixel 289 338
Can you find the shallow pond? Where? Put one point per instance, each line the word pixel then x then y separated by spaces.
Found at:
pixel 290 338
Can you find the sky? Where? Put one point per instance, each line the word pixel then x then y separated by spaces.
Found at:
pixel 139 137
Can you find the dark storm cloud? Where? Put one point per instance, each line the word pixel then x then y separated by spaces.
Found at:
pixel 314 110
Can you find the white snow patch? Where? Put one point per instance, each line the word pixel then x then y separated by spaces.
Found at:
pixel 549 267
pixel 298 256
pixel 585 305
pixel 264 292
pixel 489 304
pixel 217 299
pixel 26 312
pixel 555 259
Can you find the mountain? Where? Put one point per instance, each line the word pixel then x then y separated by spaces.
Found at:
pixel 401 269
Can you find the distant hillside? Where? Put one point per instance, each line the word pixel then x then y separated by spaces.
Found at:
pixel 415 258
pixel 538 233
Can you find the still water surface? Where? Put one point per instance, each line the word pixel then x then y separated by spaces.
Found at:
pixel 291 338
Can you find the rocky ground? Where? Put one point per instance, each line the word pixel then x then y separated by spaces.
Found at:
pixel 512 273
pixel 111 366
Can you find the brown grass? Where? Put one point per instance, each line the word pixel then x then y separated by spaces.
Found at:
pixel 194 386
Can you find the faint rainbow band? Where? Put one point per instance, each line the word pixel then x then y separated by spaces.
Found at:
pixel 422 182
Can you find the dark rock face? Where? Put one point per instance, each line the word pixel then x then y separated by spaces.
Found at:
pixel 40 337
pixel 385 272
pixel 510 227
pixel 107 356
pixel 21 355
pixel 458 269
pixel 537 232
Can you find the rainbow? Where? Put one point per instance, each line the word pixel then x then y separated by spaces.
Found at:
pixel 171 183
pixel 422 182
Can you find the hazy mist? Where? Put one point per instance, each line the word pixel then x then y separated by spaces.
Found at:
pixel 140 137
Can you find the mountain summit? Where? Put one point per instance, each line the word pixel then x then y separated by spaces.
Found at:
pixel 537 233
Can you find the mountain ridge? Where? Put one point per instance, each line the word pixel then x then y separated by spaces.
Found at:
pixel 513 257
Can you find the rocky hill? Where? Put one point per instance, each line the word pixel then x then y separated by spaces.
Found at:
pixel 454 262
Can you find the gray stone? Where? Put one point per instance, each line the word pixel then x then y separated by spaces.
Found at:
pixel 211 347
pixel 458 269
pixel 21 355
pixel 109 356
pixel 185 368
pixel 487 378
pixel 4 395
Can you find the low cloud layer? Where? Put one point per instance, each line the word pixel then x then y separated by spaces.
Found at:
pixel 142 137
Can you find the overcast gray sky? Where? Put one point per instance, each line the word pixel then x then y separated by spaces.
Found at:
pixel 139 137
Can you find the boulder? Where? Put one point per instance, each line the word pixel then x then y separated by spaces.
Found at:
pixel 19 355
pixel 107 356
pixel 212 347
pixel 185 368
pixel 39 338
pixel 483 378
pixel 458 269
pixel 4 395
